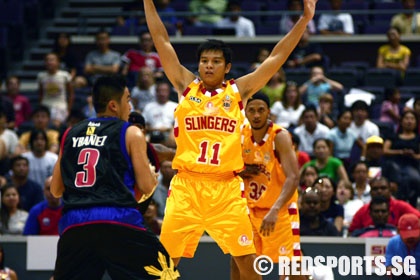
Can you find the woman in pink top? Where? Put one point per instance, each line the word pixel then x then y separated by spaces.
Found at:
pixel 390 111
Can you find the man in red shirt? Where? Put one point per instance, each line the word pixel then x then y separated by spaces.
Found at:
pixel 379 186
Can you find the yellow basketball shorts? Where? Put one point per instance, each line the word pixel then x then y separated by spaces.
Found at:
pixel 215 205
pixel 284 240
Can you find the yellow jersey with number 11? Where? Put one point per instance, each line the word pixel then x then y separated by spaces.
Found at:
pixel 207 130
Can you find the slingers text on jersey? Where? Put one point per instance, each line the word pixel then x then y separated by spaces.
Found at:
pixel 210 123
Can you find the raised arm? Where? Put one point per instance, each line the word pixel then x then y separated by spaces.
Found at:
pixel 178 75
pixel 253 82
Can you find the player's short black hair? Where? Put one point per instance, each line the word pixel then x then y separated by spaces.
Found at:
pixel 260 96
pixel 215 45
pixel 107 88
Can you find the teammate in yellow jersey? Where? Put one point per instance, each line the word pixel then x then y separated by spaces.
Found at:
pixel 205 195
pixel 271 178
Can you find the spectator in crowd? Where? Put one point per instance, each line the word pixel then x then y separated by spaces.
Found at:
pixel 206 12
pixel 414 105
pixel 41 121
pixel 145 90
pixel 162 189
pixel 68 59
pixel 306 54
pixel 287 21
pixel 379 186
pixel 275 87
pixel 243 27
pixel 30 192
pixel 403 150
pixel 312 222
pixel 379 213
pixel 408 22
pixel 390 108
pixel 103 60
pixel 21 105
pixel 317 85
pixel 134 60
pixel 301 156
pixel 55 89
pixel 262 54
pixel 406 243
pixel 10 141
pixel 12 217
pixel 394 55
pixel 6 105
pixel 89 110
pixel 326 110
pixel 350 203
pixel 342 138
pixel 308 175
pixel 360 184
pixel 169 20
pixel 159 114
pixel 310 130
pixel 330 209
pixel 151 218
pixel 41 161
pixel 375 160
pixel 44 217
pixel 335 22
pixel 6 272
pixel 326 164
pixel 287 111
pixel 361 126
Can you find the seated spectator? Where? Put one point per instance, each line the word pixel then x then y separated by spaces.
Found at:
pixel 151 218
pixel 206 12
pixel 10 141
pixel 89 109
pixel 287 111
pixel 145 90
pixel 335 22
pixel 30 192
pixel 21 105
pixel 310 130
pixel 326 164
pixel 342 138
pixel 68 59
pixel 12 217
pixel 403 152
pixel 243 27
pixel 159 114
pixel 407 22
pixel 103 60
pixel 301 156
pixel 55 89
pixel 308 175
pixel 312 222
pixel 41 161
pixel 287 21
pixel 317 85
pixel 361 187
pixel 44 217
pixel 41 121
pixel 390 109
pixel 275 87
pixel 361 126
pixel 406 243
pixel 326 110
pixel 162 189
pixel 306 54
pixel 169 20
pixel 379 186
pixel 345 197
pixel 379 213
pixel 6 272
pixel 394 55
pixel 134 60
pixel 6 105
pixel 262 54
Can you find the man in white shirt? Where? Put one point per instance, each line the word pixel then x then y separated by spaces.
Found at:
pixel 310 130
pixel 336 22
pixel 243 27
pixel 361 126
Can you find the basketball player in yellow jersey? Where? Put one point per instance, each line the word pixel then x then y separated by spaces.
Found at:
pixel 271 179
pixel 206 192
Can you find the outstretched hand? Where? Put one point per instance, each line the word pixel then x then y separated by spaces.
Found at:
pixel 309 8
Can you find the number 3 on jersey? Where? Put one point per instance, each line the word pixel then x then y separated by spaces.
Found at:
pixel 256 190
pixel 209 154
pixel 88 157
